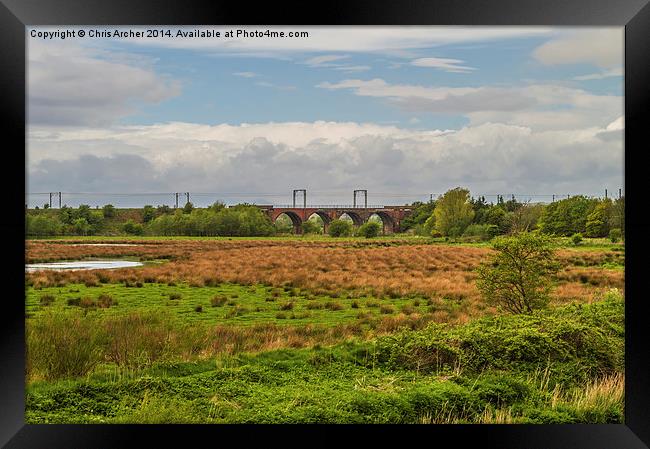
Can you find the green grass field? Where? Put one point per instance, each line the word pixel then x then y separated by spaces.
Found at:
pixel 235 304
pixel 151 352
pixel 491 378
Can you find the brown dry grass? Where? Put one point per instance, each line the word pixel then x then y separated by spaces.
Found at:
pixel 332 268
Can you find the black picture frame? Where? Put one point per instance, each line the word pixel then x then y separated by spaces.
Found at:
pixel 15 15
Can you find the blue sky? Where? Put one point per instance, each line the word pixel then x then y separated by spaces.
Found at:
pixel 212 93
pixel 413 110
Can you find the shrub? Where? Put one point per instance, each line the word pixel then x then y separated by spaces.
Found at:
pixel 46 300
pixel 42 225
pixel 340 228
pixel 174 296
pixel 62 345
pixel 310 227
pixel 369 229
pixel 331 305
pixel 287 305
pixel 615 235
pixel 579 341
pixel 108 211
pixel 386 309
pixel 87 303
pixel 218 301
pixel 105 301
pixel 198 308
pixel 148 213
pixel 408 309
pixel 483 231
pixel 133 228
pixel 517 277
pixel 576 238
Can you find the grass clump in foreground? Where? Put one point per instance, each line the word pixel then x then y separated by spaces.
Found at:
pixel 558 366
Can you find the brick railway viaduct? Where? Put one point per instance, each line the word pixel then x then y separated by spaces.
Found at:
pixel 391 216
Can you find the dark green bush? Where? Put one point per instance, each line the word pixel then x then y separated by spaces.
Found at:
pixel 369 229
pixel 579 341
pixel 615 235
pixel 340 228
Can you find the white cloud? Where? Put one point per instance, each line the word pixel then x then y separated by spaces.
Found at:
pixel 353 68
pixel 395 40
pixel 246 74
pixel 324 60
pixel 276 157
pixel 602 47
pixel 616 125
pixel 274 86
pixel 611 73
pixel 68 84
pixel 540 106
pixel 448 65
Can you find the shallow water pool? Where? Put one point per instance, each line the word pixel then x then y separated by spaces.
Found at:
pixel 83 265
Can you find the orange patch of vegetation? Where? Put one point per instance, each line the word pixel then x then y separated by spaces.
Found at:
pixel 340 269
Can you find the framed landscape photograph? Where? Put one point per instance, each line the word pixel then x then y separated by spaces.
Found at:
pixel 379 215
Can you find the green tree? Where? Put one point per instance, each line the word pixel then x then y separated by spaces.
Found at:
pixel 83 211
pixel 483 231
pixel 419 215
pixel 148 213
pixel 188 208
pixel 576 238
pixel 283 225
pixel 615 235
pixel 310 227
pixel 599 219
pixel 81 226
pixel 567 217
pixel 42 225
pixel 131 227
pixel 496 216
pixel 517 278
pixel 453 212
pixel 617 217
pixel 66 215
pixel 480 208
pixel 340 228
pixel 108 211
pixel 163 209
pixel 369 229
pixel 217 206
pixel 524 218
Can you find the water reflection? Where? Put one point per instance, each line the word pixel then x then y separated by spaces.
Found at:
pixel 83 265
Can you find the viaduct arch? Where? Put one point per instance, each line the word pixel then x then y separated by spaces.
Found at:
pixel 391 216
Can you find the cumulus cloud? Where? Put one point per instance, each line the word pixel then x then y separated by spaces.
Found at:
pixel 602 47
pixel 277 157
pixel 68 84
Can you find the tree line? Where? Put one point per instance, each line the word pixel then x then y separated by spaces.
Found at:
pixel 455 214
